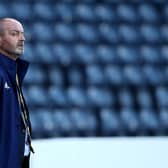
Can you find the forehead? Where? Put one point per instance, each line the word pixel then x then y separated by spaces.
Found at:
pixel 13 25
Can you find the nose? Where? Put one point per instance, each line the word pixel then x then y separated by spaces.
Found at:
pixel 22 37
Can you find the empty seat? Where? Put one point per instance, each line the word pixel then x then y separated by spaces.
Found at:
pixel 63 54
pixel 84 122
pixel 38 29
pixel 37 96
pixel 127 13
pixel 144 98
pixel 4 10
pixel 150 34
pixel 57 96
pixel 44 53
pixel 114 75
pixel 149 122
pixel 148 13
pixel 110 123
pixel 164 53
pixel 164 33
pixel 125 98
pixel 129 55
pixel 64 12
pixel 84 12
pixel 162 96
pixel 84 54
pixel 56 76
pixel 106 54
pixel 87 33
pixel 76 76
pixel 35 75
pixel 39 14
pixel 47 123
pixel 22 11
pixel 134 75
pixel 151 55
pixel 100 97
pixel 130 121
pixel 63 123
pixel 95 75
pixel 153 75
pixel 163 118
pixel 65 32
pixel 105 13
pixel 108 33
pixel 129 34
pixel 77 97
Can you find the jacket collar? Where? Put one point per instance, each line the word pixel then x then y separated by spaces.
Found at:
pixel 12 67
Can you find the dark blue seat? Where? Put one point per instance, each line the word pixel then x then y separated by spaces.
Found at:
pixel 84 54
pixel 37 96
pixel 56 76
pixel 134 75
pixel 65 32
pixel 4 10
pixel 76 76
pixel 64 11
pixel 42 32
pixel 104 13
pixel 148 13
pixel 144 98
pixel 164 53
pixel 130 121
pixel 63 123
pixel 22 11
pixel 87 33
pixel 163 118
pixel 127 13
pixel 63 54
pixel 39 14
pixel 57 96
pixel 100 97
pixel 77 97
pixel 106 54
pixel 164 33
pixel 110 122
pixel 129 34
pixel 162 96
pixel 125 98
pixel 35 75
pixel 149 122
pixel 95 75
pixel 44 53
pixel 47 123
pixel 37 131
pixel 129 55
pixel 153 75
pixel 84 122
pixel 84 12
pixel 151 55
pixel 108 33
pixel 114 75
pixel 150 34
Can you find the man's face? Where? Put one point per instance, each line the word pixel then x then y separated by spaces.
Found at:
pixel 12 40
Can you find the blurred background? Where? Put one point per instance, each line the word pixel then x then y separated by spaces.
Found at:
pixel 99 68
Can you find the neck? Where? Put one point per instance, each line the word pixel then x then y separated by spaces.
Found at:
pixel 13 57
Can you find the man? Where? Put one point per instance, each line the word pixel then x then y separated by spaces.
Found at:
pixel 15 136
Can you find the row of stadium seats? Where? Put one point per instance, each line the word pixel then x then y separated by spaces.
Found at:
pixel 96 97
pixel 61 53
pixel 129 12
pixel 146 75
pixel 84 122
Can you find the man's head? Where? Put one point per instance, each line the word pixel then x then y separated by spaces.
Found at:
pixel 11 38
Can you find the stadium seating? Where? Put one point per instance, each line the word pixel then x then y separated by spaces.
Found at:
pixel 98 68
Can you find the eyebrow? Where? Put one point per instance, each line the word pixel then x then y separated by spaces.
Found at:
pixel 17 31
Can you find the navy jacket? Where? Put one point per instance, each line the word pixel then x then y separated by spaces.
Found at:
pixel 12 133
